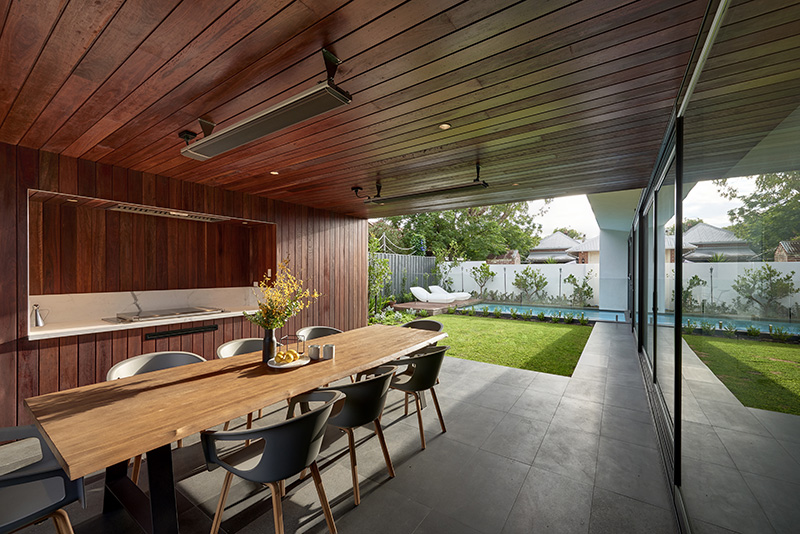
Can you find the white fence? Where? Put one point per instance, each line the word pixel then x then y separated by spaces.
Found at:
pixel 503 281
pixel 719 278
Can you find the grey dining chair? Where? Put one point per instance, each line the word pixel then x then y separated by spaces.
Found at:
pixel 280 451
pixel 423 370
pixel 313 332
pixel 36 491
pixel 147 363
pixel 425 324
pixel 363 404
pixel 234 348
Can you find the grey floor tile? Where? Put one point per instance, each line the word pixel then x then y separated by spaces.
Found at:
pixel 760 455
pixel 626 397
pixel 629 378
pixel 782 426
pixel 712 391
pixel 438 523
pixel 481 495
pixel 579 415
pixel 549 502
pixel 720 496
pixel 388 512
pixel 613 513
pixel 585 389
pixel 617 424
pixel 702 443
pixel 553 384
pixel 702 527
pixel 468 423
pixel 568 452
pixel 427 473
pixel 517 438
pixel 732 417
pixel 587 371
pixel 780 501
pixel 534 404
pixel 520 378
pixel 497 396
pixel 633 471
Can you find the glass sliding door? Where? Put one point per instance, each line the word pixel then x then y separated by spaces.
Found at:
pixel 665 290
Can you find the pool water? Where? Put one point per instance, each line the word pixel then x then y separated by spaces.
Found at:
pixel 594 314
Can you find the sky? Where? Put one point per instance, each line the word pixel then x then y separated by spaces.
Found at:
pixel 703 202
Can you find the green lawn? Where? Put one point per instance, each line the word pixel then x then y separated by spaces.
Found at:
pixel 761 374
pixel 545 347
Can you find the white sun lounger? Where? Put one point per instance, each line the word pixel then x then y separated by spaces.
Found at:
pixel 423 296
pixel 458 295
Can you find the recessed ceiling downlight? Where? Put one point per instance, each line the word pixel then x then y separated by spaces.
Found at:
pixel 445 126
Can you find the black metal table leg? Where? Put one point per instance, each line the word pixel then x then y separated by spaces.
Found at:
pixel 163 505
pixel 157 514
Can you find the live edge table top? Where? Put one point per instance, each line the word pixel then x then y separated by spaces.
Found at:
pixel 92 427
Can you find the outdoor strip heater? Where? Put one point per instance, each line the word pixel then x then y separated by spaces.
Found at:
pixel 320 99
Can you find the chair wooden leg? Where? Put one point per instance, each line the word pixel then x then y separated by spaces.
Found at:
pixel 419 418
pixel 438 410
pixel 323 499
pixel 259 412
pixel 137 468
pixel 277 506
pixel 249 426
pixel 61 521
pixel 227 424
pixel 180 443
pixel 353 464
pixel 223 495
pixel 406 404
pixel 382 440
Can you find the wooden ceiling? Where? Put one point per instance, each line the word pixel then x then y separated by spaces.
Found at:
pixel 553 98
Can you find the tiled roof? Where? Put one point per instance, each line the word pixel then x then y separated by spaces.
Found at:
pixel 703 233
pixel 792 248
pixel 590 245
pixel 556 241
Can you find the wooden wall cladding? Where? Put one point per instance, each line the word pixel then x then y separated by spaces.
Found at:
pixel 81 249
pixel 326 250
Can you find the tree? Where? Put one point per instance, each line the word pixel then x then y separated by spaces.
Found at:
pixel 689 303
pixel 582 292
pixel 378 273
pixel 478 232
pixel 531 282
pixel 687 223
pixel 447 259
pixel 574 234
pixel 770 214
pixel 482 274
pixel 765 287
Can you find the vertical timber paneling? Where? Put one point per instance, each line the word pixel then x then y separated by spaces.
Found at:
pixel 327 250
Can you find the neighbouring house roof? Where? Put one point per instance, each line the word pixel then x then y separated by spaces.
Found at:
pixel 703 233
pixel 590 245
pixel 669 243
pixel 710 240
pixel 556 241
pixel 792 248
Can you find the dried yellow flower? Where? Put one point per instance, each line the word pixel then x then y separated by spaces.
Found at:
pixel 280 299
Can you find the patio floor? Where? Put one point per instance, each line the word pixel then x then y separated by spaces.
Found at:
pixel 524 452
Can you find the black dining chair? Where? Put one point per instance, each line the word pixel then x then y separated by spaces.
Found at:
pixel 279 452
pixel 422 371
pixel 147 363
pixel 363 404
pixel 234 348
pixel 36 491
pixel 425 324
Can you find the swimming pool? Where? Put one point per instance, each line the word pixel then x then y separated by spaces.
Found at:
pixel 594 314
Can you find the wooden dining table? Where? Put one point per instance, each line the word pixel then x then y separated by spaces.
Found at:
pixel 102 426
